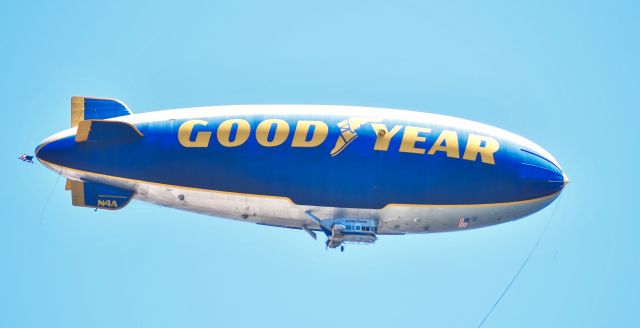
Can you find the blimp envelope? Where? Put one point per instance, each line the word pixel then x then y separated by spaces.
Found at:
pixel 352 173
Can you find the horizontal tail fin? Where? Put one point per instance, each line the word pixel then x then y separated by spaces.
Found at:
pixel 112 131
pixel 98 195
pixel 88 108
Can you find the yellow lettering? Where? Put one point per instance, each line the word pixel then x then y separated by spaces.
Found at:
pixel 448 142
pixel 107 203
pixel 242 132
pixel 475 147
pixel 320 132
pixel 412 136
pixel 280 136
pixel 185 131
pixel 383 135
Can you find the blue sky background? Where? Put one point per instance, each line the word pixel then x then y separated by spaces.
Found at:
pixel 562 73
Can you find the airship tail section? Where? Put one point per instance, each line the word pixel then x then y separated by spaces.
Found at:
pixel 98 195
pixel 88 108
pixel 111 131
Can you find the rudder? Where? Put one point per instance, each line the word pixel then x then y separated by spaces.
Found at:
pixel 98 195
pixel 87 108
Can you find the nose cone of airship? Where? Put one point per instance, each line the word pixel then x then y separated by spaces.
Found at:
pixel 541 173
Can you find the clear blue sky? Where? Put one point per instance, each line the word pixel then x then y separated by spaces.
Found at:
pixel 564 74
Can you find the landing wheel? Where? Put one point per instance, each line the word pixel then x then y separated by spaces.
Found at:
pixel 342 248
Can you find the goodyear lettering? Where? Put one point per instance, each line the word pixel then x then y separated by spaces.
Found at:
pixel 318 135
pixel 281 128
pixel 233 133
pixel 485 146
pixel 384 135
pixel 186 129
pixel 310 134
pixel 411 138
pixel 447 142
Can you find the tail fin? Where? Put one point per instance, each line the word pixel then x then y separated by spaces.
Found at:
pixel 107 131
pixel 87 108
pixel 98 195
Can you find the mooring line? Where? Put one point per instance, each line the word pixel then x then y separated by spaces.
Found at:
pixel 44 207
pixel 526 260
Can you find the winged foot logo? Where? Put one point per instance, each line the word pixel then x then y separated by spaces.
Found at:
pixel 348 133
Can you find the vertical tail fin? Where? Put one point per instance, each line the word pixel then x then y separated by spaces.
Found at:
pixel 98 195
pixel 87 108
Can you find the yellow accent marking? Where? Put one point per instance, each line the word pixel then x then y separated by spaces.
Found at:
pixel 287 198
pixel 411 137
pixel 242 132
pixel 565 178
pixel 320 133
pixel 280 136
pixel 517 202
pixel 202 137
pixel 67 185
pixel 77 110
pixel 383 140
pixel 486 152
pixel 77 193
pixel 84 128
pixel 450 140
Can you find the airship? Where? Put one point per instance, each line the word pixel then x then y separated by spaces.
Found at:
pixel 352 173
